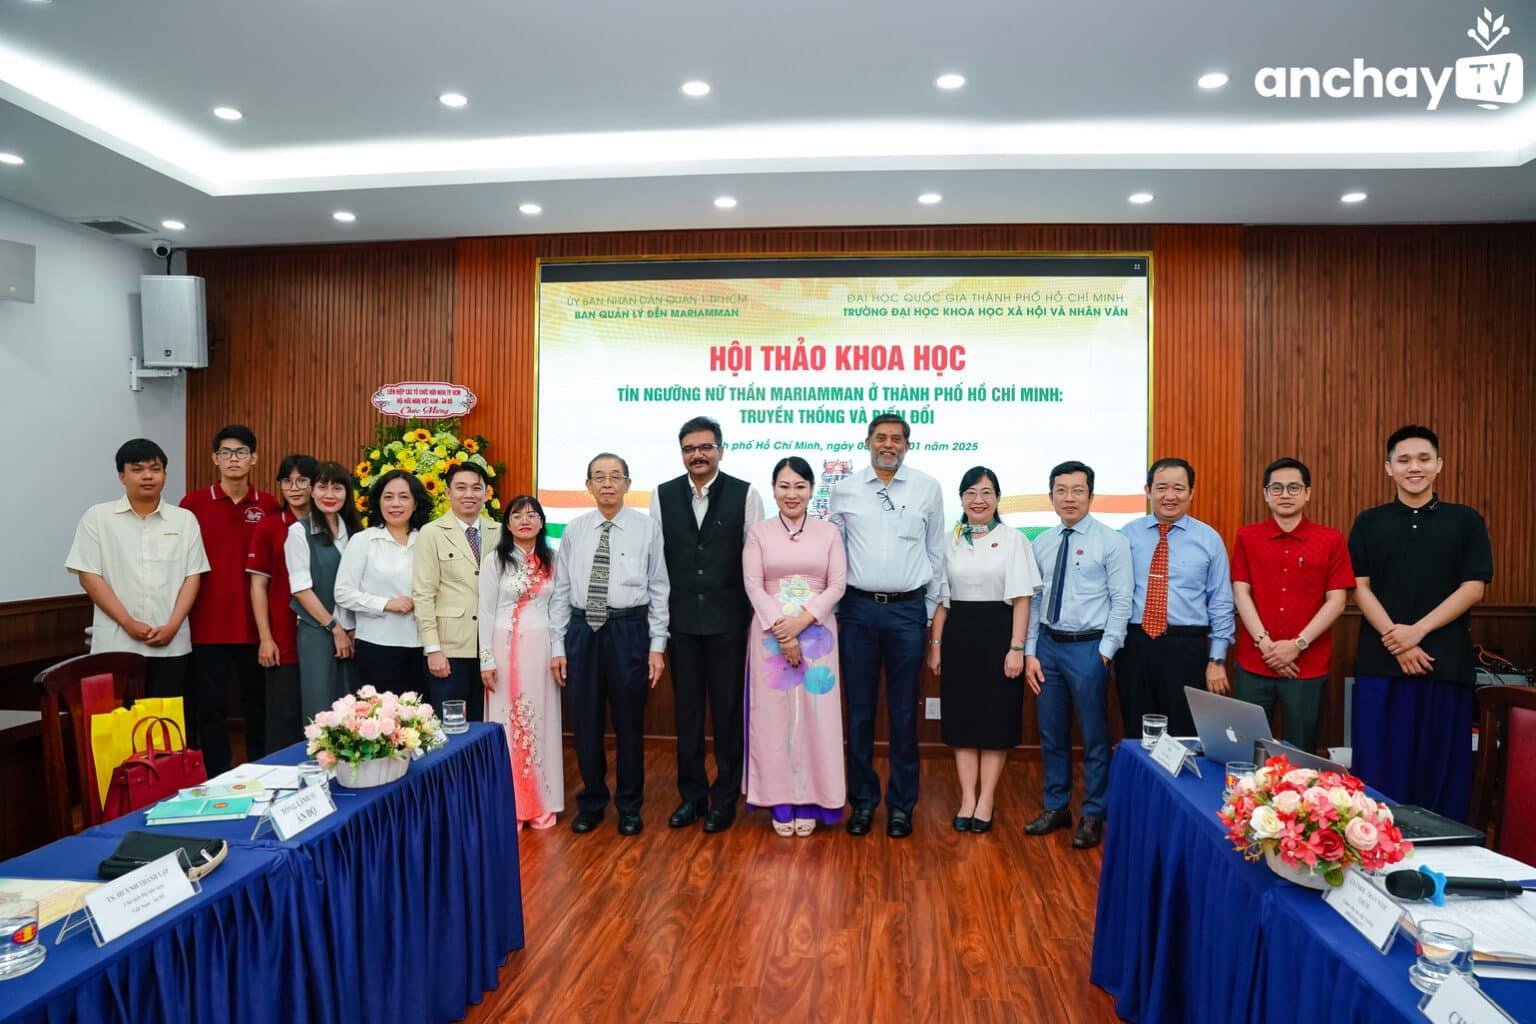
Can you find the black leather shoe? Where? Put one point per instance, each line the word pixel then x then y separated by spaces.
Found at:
pixel 630 824
pixel 1049 821
pixel 720 819
pixel 586 821
pixel 898 824
pixel 962 824
pixel 685 815
pixel 981 824
pixel 1090 832
pixel 860 821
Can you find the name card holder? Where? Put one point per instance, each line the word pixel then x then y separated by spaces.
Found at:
pixel 123 904
pixel 1173 756
pixel 286 816
pixel 1371 912
pixel 1459 1000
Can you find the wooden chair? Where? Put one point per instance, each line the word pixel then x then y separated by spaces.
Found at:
pixel 60 690
pixel 1506 763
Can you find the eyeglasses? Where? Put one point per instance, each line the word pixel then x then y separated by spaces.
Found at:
pixel 979 495
pixel 608 478
pixel 525 515
pixel 885 500
pixel 232 454
pixel 295 484
pixel 700 449
pixel 1071 492
pixel 1290 488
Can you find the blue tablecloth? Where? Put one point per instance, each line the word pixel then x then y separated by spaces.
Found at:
pixel 1188 931
pixel 403 905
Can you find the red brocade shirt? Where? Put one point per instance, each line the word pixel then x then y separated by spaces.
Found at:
pixel 1291 574
pixel 222 612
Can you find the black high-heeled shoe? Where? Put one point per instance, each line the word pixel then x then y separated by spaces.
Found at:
pixel 981 824
pixel 963 824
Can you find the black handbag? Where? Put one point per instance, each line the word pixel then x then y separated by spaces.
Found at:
pixel 139 848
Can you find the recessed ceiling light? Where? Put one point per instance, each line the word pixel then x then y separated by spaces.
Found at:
pixel 930 198
pixel 12 159
pixel 173 225
pixel 227 114
pixel 725 202
pixel 1212 80
pixel 950 80
pixel 531 209
pixel 344 216
pixel 1140 197
pixel 1352 197
pixel 453 99
pixel 696 88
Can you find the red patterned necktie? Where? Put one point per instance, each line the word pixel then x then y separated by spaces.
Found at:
pixel 1154 617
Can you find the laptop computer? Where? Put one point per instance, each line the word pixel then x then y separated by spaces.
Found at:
pixel 1227 726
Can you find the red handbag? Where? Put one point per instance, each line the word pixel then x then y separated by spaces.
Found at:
pixel 153 774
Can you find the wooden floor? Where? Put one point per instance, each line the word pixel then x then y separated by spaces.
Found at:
pixel 676 925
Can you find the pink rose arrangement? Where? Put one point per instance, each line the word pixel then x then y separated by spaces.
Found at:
pixel 1319 821
pixel 368 724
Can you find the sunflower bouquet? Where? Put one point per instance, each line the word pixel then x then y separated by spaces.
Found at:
pixel 428 449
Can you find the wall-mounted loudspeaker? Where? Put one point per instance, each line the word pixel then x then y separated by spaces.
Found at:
pixel 175 316
pixel 18 271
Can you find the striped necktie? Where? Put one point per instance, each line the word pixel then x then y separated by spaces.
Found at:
pixel 472 534
pixel 597 583
pixel 1154 617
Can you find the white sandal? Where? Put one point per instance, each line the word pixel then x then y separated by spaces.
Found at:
pixel 784 828
pixel 804 826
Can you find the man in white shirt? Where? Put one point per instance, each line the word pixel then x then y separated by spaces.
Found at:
pixel 140 561
pixel 608 627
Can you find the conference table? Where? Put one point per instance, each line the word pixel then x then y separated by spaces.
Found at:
pixel 402 905
pixel 1189 931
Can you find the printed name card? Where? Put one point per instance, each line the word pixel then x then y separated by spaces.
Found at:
pixel 1170 753
pixel 139 896
pixel 1370 911
pixel 293 814
pixel 1458 1001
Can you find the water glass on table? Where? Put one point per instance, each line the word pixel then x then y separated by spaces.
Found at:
pixel 20 950
pixel 454 720
pixel 1444 948
pixel 1152 727
pixel 1237 770
pixel 311 774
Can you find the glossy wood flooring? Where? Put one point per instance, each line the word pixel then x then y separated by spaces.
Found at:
pixel 676 925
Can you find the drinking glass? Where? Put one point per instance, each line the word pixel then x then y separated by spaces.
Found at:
pixel 454 721
pixel 1236 770
pixel 1444 947
pixel 20 951
pixel 311 774
pixel 1152 726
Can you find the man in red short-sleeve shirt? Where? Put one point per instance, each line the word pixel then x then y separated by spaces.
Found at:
pixel 1290 580
pixel 224 634
pixel 267 569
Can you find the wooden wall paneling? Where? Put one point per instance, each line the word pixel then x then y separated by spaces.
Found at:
pixel 34 634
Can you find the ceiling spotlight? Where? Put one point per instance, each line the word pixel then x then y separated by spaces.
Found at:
pixel 173 225
pixel 950 81
pixel 930 198
pixel 725 202
pixel 12 159
pixel 1212 80
pixel 227 114
pixel 531 209
pixel 1140 197
pixel 344 216
pixel 453 99
pixel 696 88
pixel 1352 197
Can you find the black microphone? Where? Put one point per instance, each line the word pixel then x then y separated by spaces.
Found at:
pixel 1408 884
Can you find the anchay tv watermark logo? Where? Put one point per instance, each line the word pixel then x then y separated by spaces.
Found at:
pixel 1491 80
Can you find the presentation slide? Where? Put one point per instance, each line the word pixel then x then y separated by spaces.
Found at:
pixel 1014 363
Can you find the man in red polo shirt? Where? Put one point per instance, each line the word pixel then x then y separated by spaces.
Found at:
pixel 1290 581
pixel 267 569
pixel 223 632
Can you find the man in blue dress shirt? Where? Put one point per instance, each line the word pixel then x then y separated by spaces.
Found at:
pixel 892 520
pixel 1181 611
pixel 1075 628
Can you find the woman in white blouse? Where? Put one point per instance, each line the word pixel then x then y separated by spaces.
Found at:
pixel 374 583
pixel 977 649
pixel 312 552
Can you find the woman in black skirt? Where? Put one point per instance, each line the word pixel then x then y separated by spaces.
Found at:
pixel 977 648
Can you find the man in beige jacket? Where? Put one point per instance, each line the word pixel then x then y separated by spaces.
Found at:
pixel 445 587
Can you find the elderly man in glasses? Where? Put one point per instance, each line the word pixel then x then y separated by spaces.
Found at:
pixel 1290 580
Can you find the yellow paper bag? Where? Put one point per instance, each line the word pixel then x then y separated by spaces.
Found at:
pixel 112 735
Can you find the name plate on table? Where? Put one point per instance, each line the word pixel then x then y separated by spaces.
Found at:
pixel 138 897
pixel 1369 911
pixel 1172 755
pixel 1458 1001
pixel 293 814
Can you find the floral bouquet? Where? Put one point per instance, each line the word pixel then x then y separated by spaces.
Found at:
pixel 427 448
pixel 1317 822
pixel 368 724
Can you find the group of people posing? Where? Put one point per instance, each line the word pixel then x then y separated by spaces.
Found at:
pixel 782 630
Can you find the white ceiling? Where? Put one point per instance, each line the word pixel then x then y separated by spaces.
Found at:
pixel 821 114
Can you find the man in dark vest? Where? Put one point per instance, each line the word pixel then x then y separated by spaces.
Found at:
pixel 704 517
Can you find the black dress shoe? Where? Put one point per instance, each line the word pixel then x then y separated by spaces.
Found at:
pixel 898 824
pixel 720 819
pixel 981 824
pixel 586 821
pixel 685 815
pixel 1090 832
pixel 630 824
pixel 1049 821
pixel 860 821
pixel 962 824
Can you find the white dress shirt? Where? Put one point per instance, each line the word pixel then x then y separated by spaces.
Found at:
pixel 699 496
pixel 375 568
pixel 998 565
pixel 895 544
pixel 637 572
pixel 145 561
pixel 296 557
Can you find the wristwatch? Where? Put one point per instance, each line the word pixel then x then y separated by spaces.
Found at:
pixel 1216 661
pixel 1301 643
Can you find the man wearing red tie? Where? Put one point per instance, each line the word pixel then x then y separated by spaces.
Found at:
pixel 1181 610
